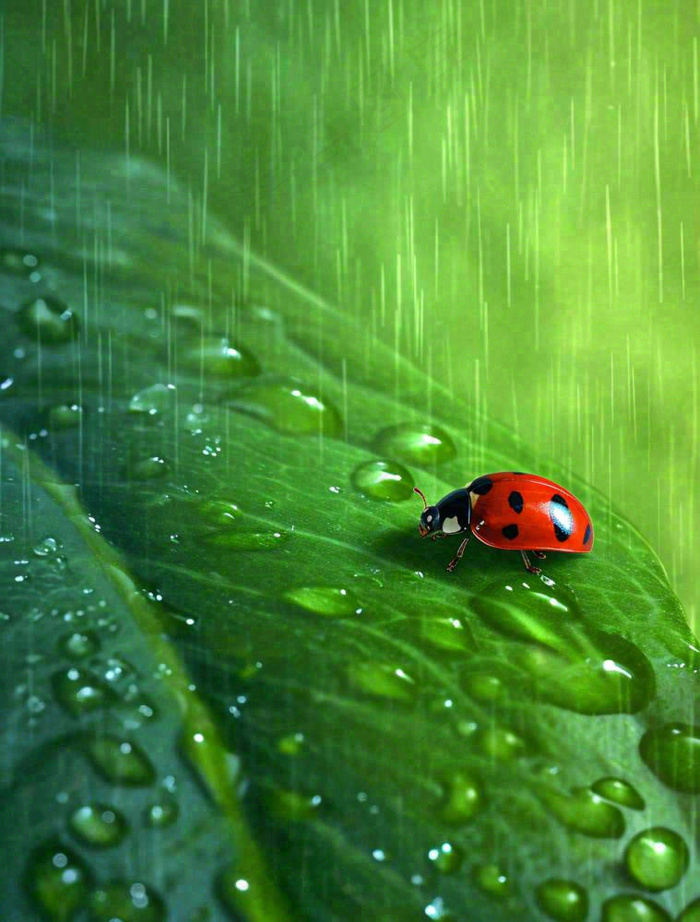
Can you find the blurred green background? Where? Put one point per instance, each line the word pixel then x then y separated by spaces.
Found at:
pixel 505 190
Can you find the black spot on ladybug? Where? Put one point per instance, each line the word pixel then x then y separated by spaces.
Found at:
pixel 587 534
pixel 481 485
pixel 515 501
pixel 510 532
pixel 518 473
pixel 561 517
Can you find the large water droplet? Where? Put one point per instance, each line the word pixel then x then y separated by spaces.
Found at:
pixel 585 812
pixel 126 902
pixel 492 879
pixel 65 416
pixel 98 825
pixel 325 600
pixel 620 792
pixel 81 691
pixel 657 858
pixel 461 800
pixel 79 644
pixel 217 356
pixel 672 752
pixel 382 679
pixel 118 760
pixel 58 881
pixel 294 806
pixel 562 900
pixel 151 467
pixel 288 406
pixel 483 687
pixel 416 443
pixel 630 908
pixel 446 857
pixel 691 913
pixel 48 320
pixel 451 634
pixel 383 480
pixel 500 743
pixel 153 400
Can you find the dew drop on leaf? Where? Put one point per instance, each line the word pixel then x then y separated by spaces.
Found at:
pixel 216 356
pixel 127 902
pixel 382 680
pixel 446 857
pixel 118 760
pixel 562 900
pixel 619 791
pixel 415 443
pixel 287 405
pixel 585 812
pixel 691 913
pixel 461 798
pixel 79 644
pixel 65 416
pixel 329 601
pixel 293 805
pixel 492 879
pixel 18 262
pixel 48 320
pixel 161 813
pixel 80 691
pixel 58 881
pixel 672 752
pixel 657 858
pixel 98 825
pixel 627 907
pixel 383 480
pixel 153 400
pixel 500 744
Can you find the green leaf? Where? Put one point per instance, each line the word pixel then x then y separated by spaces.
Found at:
pixel 413 743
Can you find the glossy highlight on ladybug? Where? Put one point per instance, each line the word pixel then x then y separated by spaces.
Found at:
pixel 512 511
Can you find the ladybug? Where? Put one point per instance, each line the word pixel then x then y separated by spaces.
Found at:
pixel 513 511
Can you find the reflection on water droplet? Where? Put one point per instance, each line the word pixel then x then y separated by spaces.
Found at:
pixel 630 908
pixel 562 900
pixel 446 857
pixel 153 400
pixel 48 320
pixel 216 356
pixel 14 261
pixel 98 825
pixel 484 687
pixel 672 752
pixel 382 679
pixel 80 691
pixel 461 799
pixel 325 600
pixel 118 760
pixel 383 480
pixel 500 743
pixel 150 468
pixel 162 813
pixel 492 878
pixel 65 416
pixel 293 805
pixel 79 644
pixel 585 812
pixel 120 901
pixel 691 913
pixel 416 443
pixel 46 547
pixel 291 745
pixel 219 511
pixel 451 634
pixel 58 881
pixel 619 791
pixel 657 858
pixel 288 406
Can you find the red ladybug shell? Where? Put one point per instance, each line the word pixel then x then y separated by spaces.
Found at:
pixel 524 512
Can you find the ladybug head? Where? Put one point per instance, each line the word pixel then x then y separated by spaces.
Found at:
pixel 429 518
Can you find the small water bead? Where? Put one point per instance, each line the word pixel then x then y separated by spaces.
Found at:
pixel 48 320
pixel 288 406
pixel 585 812
pixel 446 857
pixel 383 480
pixel 120 901
pixel 162 813
pixel 47 547
pixel 79 644
pixel 291 745
pixel 219 512
pixel 382 680
pixel 293 805
pixel 247 540
pixel 15 261
pixel 620 792
pixel 80 691
pixel 449 634
pixel 420 443
pixel 562 900
pixel 98 825
pixel 65 416
pixel 462 798
pixel 657 858
pixel 500 743
pixel 672 752
pixel 217 356
pixel 492 879
pixel 627 907
pixel 153 400
pixel 58 881
pixel 328 601
pixel 118 760
pixel 484 687
pixel 148 468
pixel 691 913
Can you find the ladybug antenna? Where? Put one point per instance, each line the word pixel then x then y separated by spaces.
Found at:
pixel 422 496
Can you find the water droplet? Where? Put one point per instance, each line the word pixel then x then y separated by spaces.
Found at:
pixel 500 743
pixel 450 634
pixel 484 687
pixel 153 400
pixel 47 547
pixel 446 857
pixel 620 792
pixel 585 812
pixel 461 799
pixel 420 443
pixel 120 901
pixel 288 406
pixel 325 600
pixel 48 320
pixel 691 913
pixel 18 262
pixel 383 480
pixel 98 825
pixel 572 665
pixel 291 745
pixel 118 760
pixel 383 680
pixel 162 813
pixel 630 908
pixel 492 878
pixel 672 752
pixel 219 512
pixel 58 881
pixel 293 805
pixel 247 540
pixel 657 858
pixel 79 644
pixel 562 900
pixel 65 416
pixel 150 468
pixel 80 691
pixel 217 356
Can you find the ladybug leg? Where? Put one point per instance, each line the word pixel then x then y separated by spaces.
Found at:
pixel 528 565
pixel 540 555
pixel 457 557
